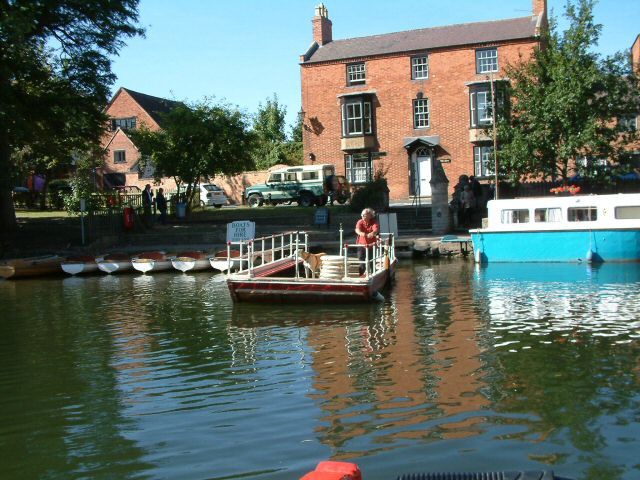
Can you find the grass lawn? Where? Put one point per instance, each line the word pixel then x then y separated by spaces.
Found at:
pixel 265 212
pixel 42 214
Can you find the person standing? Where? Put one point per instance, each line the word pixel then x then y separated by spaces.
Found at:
pixel 367 229
pixel 161 205
pixel 467 204
pixel 147 200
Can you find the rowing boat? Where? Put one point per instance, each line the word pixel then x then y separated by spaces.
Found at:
pixel 30 267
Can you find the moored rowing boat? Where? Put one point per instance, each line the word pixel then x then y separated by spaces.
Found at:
pixel 30 267
pixel 115 263
pixel 226 260
pixel 191 261
pixel 152 262
pixel 80 264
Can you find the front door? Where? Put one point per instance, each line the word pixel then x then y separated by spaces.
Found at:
pixel 423 161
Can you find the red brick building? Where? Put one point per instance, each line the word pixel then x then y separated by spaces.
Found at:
pixel 398 102
pixel 127 111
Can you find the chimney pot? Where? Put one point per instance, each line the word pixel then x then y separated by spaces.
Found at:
pixel 322 26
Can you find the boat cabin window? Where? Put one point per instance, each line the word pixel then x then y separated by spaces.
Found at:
pixel 548 215
pixel 627 212
pixel 582 214
pixel 514 216
pixel 313 175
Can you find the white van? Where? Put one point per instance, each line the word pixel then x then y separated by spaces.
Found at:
pixel 212 196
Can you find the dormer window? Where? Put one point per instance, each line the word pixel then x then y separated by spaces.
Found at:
pixel 128 123
pixel 356 74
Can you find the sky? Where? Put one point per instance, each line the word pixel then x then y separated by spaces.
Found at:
pixel 243 52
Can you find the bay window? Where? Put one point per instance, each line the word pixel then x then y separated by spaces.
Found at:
pixel 356 116
pixel 481 104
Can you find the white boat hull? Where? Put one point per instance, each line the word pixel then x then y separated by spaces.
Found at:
pixel 223 264
pixel 186 264
pixel 114 266
pixel 146 265
pixel 77 268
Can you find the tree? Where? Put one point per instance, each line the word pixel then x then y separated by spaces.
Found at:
pixel 565 104
pixel 271 145
pixel 55 74
pixel 197 142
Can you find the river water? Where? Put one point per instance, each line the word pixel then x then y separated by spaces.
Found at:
pixel 461 368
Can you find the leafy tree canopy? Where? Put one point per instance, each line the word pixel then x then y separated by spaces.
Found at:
pixel 565 103
pixel 196 142
pixel 55 75
pixel 271 145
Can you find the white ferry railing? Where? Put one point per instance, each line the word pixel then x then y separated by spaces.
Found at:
pixel 382 250
pixel 268 249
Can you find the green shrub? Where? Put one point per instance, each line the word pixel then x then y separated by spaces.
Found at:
pixel 374 195
pixel 57 189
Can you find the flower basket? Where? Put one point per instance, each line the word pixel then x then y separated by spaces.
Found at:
pixel 565 190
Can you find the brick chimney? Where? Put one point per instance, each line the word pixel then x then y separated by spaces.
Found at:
pixel 540 7
pixel 635 54
pixel 322 25
pixel 540 11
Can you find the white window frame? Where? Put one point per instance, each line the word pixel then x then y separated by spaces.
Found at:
pixel 515 215
pixel 421 113
pixel 591 162
pixel 357 172
pixel 356 73
pixel 356 118
pixel 487 60
pixel 544 215
pixel 420 67
pixel 481 105
pixel 125 123
pixel 582 214
pixel 628 123
pixel 483 160
pixel 627 212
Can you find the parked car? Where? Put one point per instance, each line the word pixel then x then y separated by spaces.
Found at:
pixel 212 195
pixel 307 185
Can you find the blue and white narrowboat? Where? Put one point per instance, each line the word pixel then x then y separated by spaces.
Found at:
pixel 581 228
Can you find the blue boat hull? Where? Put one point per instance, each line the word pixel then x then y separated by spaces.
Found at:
pixel 557 246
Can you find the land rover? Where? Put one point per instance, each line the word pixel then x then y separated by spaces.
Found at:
pixel 306 185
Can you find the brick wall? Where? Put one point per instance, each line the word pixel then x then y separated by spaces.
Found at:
pixel 450 70
pixel 124 106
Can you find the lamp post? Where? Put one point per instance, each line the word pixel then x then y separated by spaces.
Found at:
pixel 494 104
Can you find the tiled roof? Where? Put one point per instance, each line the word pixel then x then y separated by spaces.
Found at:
pixel 154 106
pixel 427 39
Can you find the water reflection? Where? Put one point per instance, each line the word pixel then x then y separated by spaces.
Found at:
pixel 561 299
pixel 461 368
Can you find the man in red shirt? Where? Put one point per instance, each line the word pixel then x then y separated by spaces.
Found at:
pixel 367 229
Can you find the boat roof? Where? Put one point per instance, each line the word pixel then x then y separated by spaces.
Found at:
pixel 562 201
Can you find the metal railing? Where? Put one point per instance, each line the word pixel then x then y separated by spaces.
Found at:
pixel 382 253
pixel 273 248
pixel 268 249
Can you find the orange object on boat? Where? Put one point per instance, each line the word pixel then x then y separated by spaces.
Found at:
pixel 334 471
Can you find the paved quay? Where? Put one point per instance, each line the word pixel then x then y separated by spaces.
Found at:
pixel 63 236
